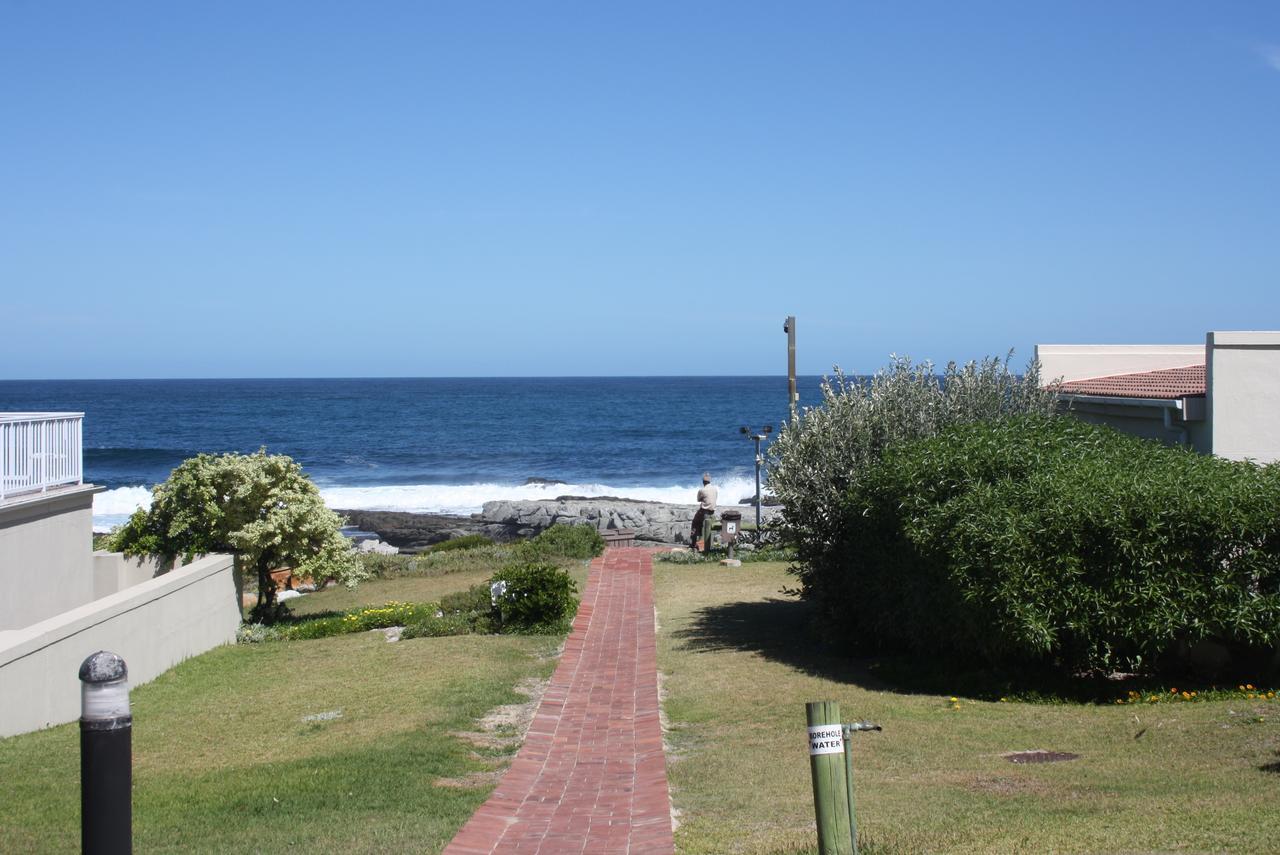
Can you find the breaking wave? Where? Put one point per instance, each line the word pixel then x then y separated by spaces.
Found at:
pixel 112 507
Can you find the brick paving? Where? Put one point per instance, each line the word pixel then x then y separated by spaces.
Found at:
pixel 591 776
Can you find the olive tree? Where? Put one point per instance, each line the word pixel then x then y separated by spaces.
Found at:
pixel 259 506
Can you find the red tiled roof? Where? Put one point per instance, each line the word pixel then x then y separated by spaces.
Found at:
pixel 1165 384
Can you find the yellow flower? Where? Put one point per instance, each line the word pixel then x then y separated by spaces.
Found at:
pixel 1248 685
pixel 955 700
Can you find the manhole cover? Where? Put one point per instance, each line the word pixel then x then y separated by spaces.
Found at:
pixel 1039 756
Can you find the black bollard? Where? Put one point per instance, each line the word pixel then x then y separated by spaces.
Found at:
pixel 106 757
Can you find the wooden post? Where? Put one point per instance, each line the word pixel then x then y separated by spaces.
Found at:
pixel 830 783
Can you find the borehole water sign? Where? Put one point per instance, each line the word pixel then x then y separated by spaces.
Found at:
pixel 826 739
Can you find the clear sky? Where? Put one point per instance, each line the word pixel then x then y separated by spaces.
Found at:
pixel 522 188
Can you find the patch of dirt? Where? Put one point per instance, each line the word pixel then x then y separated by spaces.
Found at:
pixel 1004 786
pixel 472 780
pixel 1039 755
pixel 503 728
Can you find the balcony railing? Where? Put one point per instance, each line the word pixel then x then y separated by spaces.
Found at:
pixel 39 451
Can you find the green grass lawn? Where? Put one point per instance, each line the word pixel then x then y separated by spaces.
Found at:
pixel 449 572
pixel 223 760
pixel 739 667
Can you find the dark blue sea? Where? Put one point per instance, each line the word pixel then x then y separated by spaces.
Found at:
pixel 437 445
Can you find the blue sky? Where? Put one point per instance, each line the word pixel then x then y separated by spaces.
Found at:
pixel 472 188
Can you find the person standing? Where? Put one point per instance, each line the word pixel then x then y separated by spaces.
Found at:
pixel 706 508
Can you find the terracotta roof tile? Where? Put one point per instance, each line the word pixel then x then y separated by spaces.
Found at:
pixel 1166 384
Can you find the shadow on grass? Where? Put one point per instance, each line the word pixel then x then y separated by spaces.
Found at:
pixel 783 630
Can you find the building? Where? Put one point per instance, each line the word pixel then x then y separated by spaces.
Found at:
pixel 1221 397
pixel 62 601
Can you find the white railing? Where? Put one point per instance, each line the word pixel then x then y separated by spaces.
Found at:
pixel 39 451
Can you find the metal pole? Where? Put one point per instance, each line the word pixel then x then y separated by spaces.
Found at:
pixel 848 782
pixel 792 396
pixel 757 437
pixel 830 783
pixel 106 757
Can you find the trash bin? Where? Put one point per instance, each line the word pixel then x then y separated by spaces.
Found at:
pixel 730 524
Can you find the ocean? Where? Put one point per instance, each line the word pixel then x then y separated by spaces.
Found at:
pixel 427 445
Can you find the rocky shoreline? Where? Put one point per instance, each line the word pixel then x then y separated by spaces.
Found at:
pixel 652 522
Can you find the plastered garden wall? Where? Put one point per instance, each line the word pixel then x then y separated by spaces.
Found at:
pixel 153 625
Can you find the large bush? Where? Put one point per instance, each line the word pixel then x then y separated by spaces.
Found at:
pixel 819 457
pixel 1034 539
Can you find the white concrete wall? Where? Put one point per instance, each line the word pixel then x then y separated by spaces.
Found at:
pixel 1244 394
pixel 45 547
pixel 115 571
pixel 1068 362
pixel 153 626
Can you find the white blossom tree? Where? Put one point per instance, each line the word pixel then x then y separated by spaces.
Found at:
pixel 259 506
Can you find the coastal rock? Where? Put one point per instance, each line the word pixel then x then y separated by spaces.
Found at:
pixel 653 522
pixel 504 521
pixel 409 532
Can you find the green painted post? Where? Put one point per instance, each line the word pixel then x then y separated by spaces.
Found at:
pixel 706 535
pixel 830 782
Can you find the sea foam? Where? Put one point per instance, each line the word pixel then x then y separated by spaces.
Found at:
pixel 470 498
pixel 113 507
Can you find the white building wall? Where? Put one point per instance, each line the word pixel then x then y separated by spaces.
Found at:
pixel 1069 362
pixel 1243 377
pixel 46 541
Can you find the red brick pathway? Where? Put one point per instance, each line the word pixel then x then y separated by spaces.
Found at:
pixel 591 776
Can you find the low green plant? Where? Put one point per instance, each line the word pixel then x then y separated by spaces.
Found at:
pixel 326 625
pixel 466 541
pixel 746 556
pixel 432 626
pixel 475 606
pixel 566 541
pixel 534 598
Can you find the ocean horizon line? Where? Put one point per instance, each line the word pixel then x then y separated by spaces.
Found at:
pixel 412 377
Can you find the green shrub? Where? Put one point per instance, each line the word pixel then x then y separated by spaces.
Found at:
pixel 380 565
pixel 568 541
pixel 475 606
pixel 537 598
pixel 466 541
pixel 1048 539
pixel 816 459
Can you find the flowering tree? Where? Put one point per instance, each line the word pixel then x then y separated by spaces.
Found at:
pixel 259 506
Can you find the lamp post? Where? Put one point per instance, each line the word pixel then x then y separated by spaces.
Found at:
pixel 758 438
